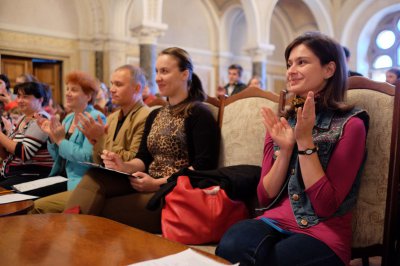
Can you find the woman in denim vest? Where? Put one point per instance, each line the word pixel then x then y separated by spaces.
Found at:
pixel 311 165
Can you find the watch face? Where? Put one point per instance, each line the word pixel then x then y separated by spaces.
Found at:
pixel 309 152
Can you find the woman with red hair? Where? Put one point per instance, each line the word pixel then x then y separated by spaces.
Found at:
pixel 68 146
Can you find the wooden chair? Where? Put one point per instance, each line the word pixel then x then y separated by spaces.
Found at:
pixel 374 217
pixel 214 105
pixel 242 130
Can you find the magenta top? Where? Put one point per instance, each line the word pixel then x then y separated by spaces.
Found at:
pixel 326 194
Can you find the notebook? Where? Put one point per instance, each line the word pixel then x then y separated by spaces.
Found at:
pixel 39 183
pixel 96 165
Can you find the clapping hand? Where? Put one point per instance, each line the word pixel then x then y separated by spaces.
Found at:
pixel 279 129
pixel 44 124
pixel 53 128
pixel 7 124
pixel 92 129
pixel 57 129
pixel 5 98
pixel 305 120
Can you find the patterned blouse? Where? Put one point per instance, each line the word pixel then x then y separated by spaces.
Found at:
pixel 167 143
pixel 31 155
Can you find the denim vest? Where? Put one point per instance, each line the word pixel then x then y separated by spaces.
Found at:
pixel 327 131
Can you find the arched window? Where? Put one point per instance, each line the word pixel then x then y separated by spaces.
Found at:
pixel 384 49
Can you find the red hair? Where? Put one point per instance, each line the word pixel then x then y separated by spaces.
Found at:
pixel 88 84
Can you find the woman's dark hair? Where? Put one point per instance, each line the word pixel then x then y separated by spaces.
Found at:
pixel 49 94
pixel 4 78
pixel 196 92
pixel 32 88
pixel 332 96
pixel 395 71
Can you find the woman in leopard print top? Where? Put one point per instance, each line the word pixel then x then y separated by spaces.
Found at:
pixel 183 134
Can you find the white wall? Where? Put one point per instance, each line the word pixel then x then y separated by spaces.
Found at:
pixel 46 17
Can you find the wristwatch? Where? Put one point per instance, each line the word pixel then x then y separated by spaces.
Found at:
pixel 308 151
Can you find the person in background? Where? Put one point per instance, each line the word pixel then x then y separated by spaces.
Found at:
pixel 319 148
pixel 103 99
pixel 24 150
pixel 5 122
pixel 4 91
pixel 392 75
pixel 148 97
pixel 348 55
pixel 68 145
pixel 25 78
pixel 183 134
pixel 235 85
pixel 14 116
pixel 6 102
pixel 256 81
pixel 53 108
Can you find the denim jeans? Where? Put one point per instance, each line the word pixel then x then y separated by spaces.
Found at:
pixel 253 242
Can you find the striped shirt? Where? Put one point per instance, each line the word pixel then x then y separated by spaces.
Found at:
pixel 31 155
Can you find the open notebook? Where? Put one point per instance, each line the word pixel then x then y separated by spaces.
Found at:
pixel 96 165
pixel 39 183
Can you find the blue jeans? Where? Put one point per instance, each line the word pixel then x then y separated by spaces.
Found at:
pixel 253 242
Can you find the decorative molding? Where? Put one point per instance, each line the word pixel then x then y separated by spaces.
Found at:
pixel 148 32
pixel 18 41
pixel 260 54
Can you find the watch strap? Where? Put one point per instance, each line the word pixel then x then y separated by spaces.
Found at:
pixel 308 151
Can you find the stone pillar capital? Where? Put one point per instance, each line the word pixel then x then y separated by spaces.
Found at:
pixel 148 32
pixel 261 52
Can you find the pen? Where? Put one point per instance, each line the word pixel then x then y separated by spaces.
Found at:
pixel 6 192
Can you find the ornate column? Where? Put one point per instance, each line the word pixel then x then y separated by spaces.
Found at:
pixel 114 56
pixel 148 34
pixel 259 61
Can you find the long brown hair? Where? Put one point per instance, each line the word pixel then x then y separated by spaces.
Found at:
pixel 196 93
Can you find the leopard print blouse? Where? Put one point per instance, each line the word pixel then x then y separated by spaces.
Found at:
pixel 167 143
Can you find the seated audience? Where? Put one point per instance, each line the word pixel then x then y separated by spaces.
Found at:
pixel 14 116
pixel 67 145
pixel 4 96
pixel 4 91
pixel 121 135
pixel 6 102
pixel 52 107
pixel 148 97
pixel 26 78
pixel 9 101
pixel 347 55
pixel 182 134
pixel 124 128
pixel 310 170
pixel 255 81
pixel 392 75
pixel 103 99
pixel 235 85
pixel 24 150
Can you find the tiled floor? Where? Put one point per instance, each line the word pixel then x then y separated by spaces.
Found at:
pixel 373 261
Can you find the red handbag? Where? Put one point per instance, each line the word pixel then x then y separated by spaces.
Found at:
pixel 198 216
